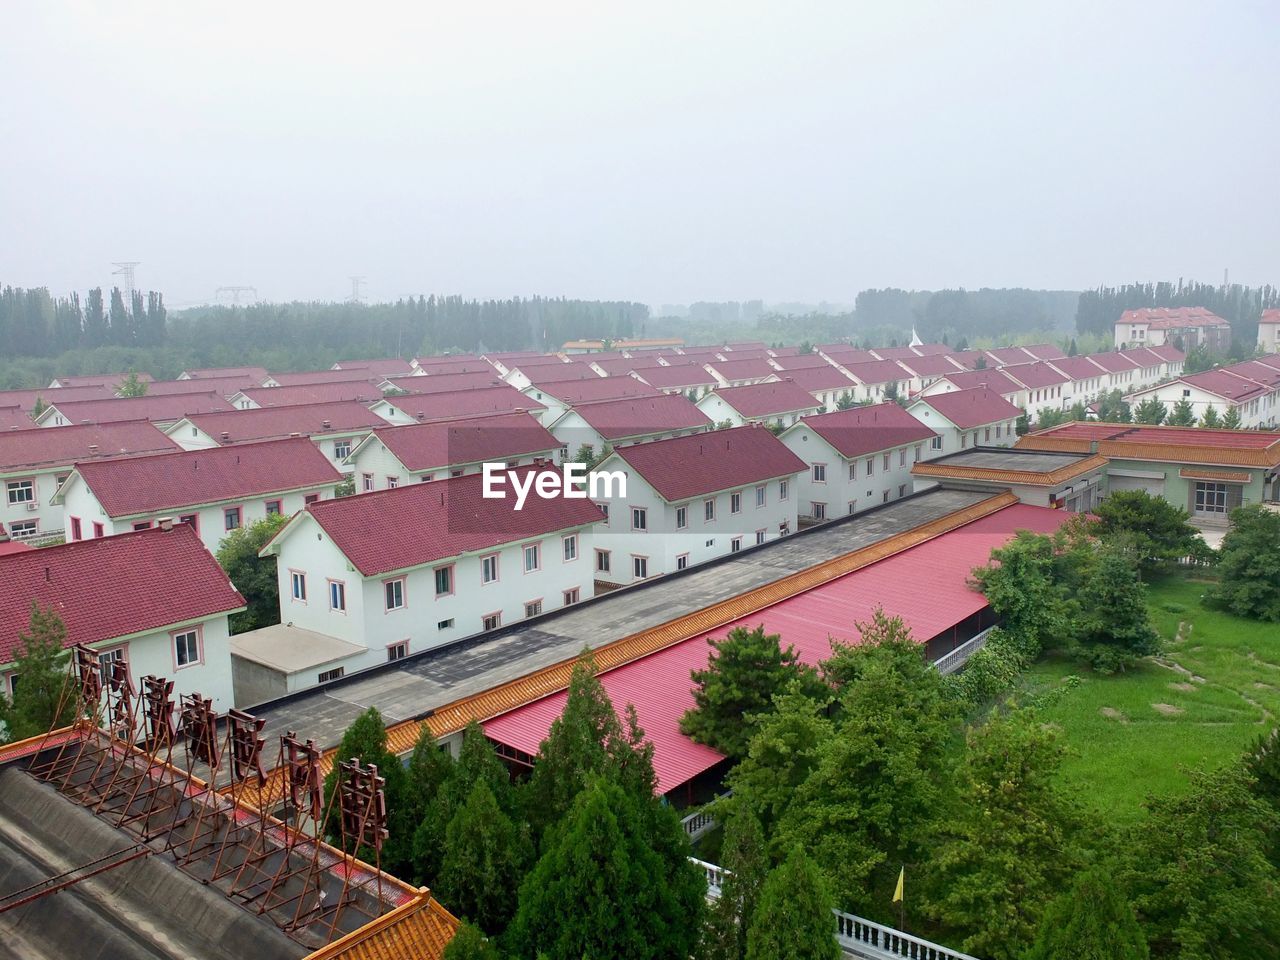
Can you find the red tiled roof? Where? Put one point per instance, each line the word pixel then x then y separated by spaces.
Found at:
pixel 448 382
pixel 560 373
pixel 640 416
pixel 528 361
pixel 745 345
pixel 752 368
pixel 163 408
pixel 223 386
pixel 170 481
pixel 1168 352
pixel 1171 318
pixel 1045 351
pixel 359 390
pixel 574 392
pixel 621 366
pixel 862 430
pixel 382 367
pixel 63 446
pixel 1143 356
pixel 301 377
pixel 845 353
pixel 26 399
pixel 1270 316
pixel 8 546
pixel 502 398
pixel 802 362
pixel 1035 375
pixel 258 373
pixel 989 377
pixel 684 467
pixel 14 418
pixel 1226 384
pixel 875 371
pixel 441 443
pixel 114 586
pixel 1078 368
pixel 306 419
pixel 931 349
pixel 1003 356
pixel 436 365
pixel 935 365
pixel 681 375
pixel 972 408
pixel 98 379
pixel 659 687
pixel 967 358
pixel 769 399
pixel 825 377
pixel 383 531
pixel 894 353
pixel 1114 362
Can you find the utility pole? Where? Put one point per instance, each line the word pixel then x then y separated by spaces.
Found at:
pixel 125 269
pixel 356 284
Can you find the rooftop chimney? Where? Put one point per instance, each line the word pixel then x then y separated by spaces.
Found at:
pixel 93 449
pixel 225 435
pixel 326 424
pixel 165 523
pixel 421 416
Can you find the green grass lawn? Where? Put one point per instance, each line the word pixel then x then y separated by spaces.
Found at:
pixel 1132 734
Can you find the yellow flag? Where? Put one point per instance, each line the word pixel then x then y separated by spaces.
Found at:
pixel 897 894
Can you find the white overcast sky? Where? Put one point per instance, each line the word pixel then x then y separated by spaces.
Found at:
pixel 657 151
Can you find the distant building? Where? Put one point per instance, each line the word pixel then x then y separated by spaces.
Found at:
pixel 1185 326
pixel 1251 387
pixel 967 418
pixel 1269 331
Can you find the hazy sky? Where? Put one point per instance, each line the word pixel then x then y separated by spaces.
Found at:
pixel 663 152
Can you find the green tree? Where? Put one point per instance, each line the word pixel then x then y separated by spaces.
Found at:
pixel 1151 410
pixel 1159 532
pixel 252 575
pixel 1198 874
pixel 366 740
pixel 486 855
pixel 845 401
pixel 746 669
pixel 1023 426
pixel 1231 420
pixel 470 944
pixel 1115 629
pixel 428 770
pixel 42 698
pixel 793 919
pixel 1079 412
pixel 602 890
pixel 1262 763
pixel 132 386
pixel 346 488
pixel 1091 921
pixel 1006 848
pixel 38 408
pixel 1112 407
pixel 1023 586
pixel 1249 565
pixel 1183 414
pixel 743 856
pixel 1210 418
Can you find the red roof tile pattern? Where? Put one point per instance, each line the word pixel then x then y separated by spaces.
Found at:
pixel 659 686
pixel 1171 318
pixel 684 375
pixel 931 349
pixel 258 373
pixel 875 371
pixel 1003 356
pixel 641 416
pixel 170 481
pixel 845 353
pixel 223 386
pixel 935 365
pixel 684 467
pixel 1168 353
pixel 448 382
pixel 1045 351
pixel 968 358
pixel 894 353
pixel 990 377
pixel 1226 384
pixel 862 430
pixel 434 365
pixel 1036 375
pixel 502 398
pixel 14 418
pixel 621 366
pixel 271 423
pixel 1114 361
pixel 157 409
pixel 972 408
pixel 574 392
pixel 769 399
pixel 98 379
pixel 1270 316
pixel 1078 368
pixel 384 531
pixel 300 377
pixel 114 586
pixel 381 367
pixel 560 373
pixel 362 391
pixel 801 361
pixel 753 368
pixel 825 377
pixel 39 447
pixel 442 443
pixel 26 399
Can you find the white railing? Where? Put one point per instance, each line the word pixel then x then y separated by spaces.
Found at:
pixel 953 661
pixel 868 938
pixel 697 825
pixel 855 935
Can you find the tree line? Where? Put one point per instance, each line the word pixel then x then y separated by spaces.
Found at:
pixel 35 324
pixel 1241 306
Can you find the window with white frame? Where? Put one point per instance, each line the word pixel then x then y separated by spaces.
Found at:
pixel 682 517
pixel 21 491
pixel 871 466
pixel 327 675
pixel 368 482
pixel 341 449
pixel 902 490
pixel 571 597
pixel 444 580
pixel 186 648
pixel 935 442
pixel 735 502
pixel 398 651
pixel 783 489
pixel 533 608
pixel 735 544
pixel 337 595
pixel 393 593
pixel 532 557
pixel 491 621
pixel 24 529
pixel 819 510
pixel 760 495
pixel 639 518
pixel 902 457
pixel 393 482
pixel 231 518
pixel 759 536
pixel 445 624
pixel 709 509
pixel 106 661
pixel 853 469
pixel 489 568
pixel 640 567
pixel 682 561
pixel 819 473
pixel 885 461
pixel 570 547
pixel 298 585
pixel 919 449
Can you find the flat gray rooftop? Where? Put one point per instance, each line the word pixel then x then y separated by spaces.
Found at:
pixel 1036 461
pixel 411 687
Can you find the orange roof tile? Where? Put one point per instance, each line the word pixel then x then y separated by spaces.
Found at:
pixel 1025 477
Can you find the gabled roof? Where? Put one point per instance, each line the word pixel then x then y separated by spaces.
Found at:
pixel 680 375
pixel 1270 316
pixel 574 392
pixel 894 353
pixel 269 423
pixel 752 368
pixel 502 398
pixel 162 408
pixel 1035 375
pixel 641 416
pixel 684 467
pixel 434 365
pixel 381 367
pixel 1226 384
pixel 98 379
pixel 1143 356
pixel 875 371
pixel 14 418
pixel 26 399
pixel 359 390
pixel 114 586
pixel 1045 351
pixel 769 399
pixel 560 372
pixel 800 361
pixel 930 365
pixel 426 522
pixel 446 382
pixel 62 446
pixel 223 386
pixel 1078 368
pixel 846 353
pixel 989 377
pixel 931 349
pixel 967 358
pixel 825 377
pixel 1171 318
pixel 258 373
pixel 1167 352
pixel 171 481
pixel 1004 356
pixel 1114 362
pixel 300 377
pixel 861 430
pixel 442 443
pixel 621 366
pixel 971 408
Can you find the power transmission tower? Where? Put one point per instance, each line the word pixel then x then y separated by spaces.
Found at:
pixel 235 292
pixel 356 284
pixel 125 269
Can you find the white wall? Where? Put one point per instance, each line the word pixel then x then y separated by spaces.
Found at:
pixel 850 481
pixel 382 466
pixel 48 516
pixel 190 437
pixel 1263 411
pixel 662 541
pixel 998 433
pixel 714 406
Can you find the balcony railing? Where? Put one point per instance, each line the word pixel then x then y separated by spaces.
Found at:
pixel 953 661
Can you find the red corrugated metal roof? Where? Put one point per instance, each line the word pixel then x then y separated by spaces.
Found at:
pixel 931 365
pixel 114 586
pixel 46 446
pixel 684 467
pixel 1114 361
pixel 130 486
pixel 928 586
pixel 1078 368
pixel 988 377
pixel 1036 375
pixel 825 377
